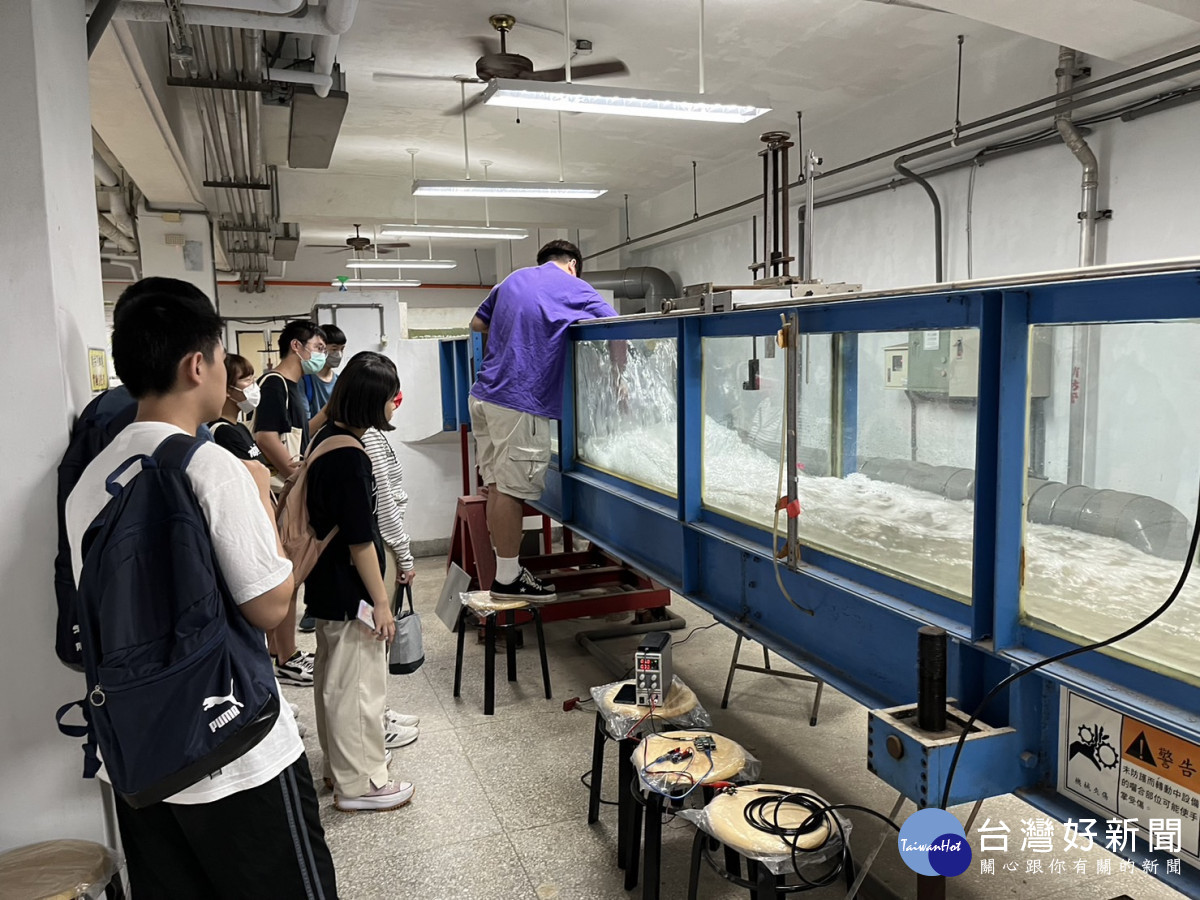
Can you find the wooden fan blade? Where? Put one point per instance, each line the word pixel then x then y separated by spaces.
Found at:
pixel 394 246
pixel 458 110
pixel 592 70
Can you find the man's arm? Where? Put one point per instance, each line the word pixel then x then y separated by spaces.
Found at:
pixel 317 422
pixel 477 324
pixel 275 452
pixel 268 610
pixel 366 561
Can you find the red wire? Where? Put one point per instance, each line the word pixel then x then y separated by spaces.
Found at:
pixel 629 734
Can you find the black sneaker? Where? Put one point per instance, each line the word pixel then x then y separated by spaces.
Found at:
pixel 527 587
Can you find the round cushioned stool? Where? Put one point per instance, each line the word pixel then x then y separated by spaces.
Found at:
pixel 729 760
pixel 60 870
pixel 726 822
pixel 484 609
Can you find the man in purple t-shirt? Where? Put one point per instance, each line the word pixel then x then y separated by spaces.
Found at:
pixel 519 390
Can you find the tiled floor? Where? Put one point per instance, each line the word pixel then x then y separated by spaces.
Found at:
pixel 499 811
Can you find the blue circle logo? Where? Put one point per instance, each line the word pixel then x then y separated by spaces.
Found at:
pixel 932 842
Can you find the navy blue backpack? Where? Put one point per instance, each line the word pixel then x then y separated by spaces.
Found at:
pixel 179 683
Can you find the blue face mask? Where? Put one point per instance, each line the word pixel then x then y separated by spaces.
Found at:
pixel 313 364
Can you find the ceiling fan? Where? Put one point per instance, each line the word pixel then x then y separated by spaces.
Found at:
pixel 358 244
pixel 508 65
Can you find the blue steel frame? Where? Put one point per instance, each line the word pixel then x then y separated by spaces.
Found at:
pixel 862 638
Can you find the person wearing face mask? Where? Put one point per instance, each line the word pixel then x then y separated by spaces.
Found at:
pixel 319 387
pixel 281 433
pixel 241 397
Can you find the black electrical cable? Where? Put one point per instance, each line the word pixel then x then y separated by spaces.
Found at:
pixel 585 780
pixel 694 630
pixel 1076 651
pixel 820 813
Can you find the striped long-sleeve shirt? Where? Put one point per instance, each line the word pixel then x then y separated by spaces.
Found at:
pixel 390 499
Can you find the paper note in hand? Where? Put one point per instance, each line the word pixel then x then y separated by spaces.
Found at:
pixel 366 614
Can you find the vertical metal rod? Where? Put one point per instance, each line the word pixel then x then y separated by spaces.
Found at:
pixel 958 92
pixel 560 153
pixel 487 216
pixel 695 195
pixel 462 91
pixel 567 38
pixel 628 236
pixel 701 53
pixel 775 254
pixel 783 210
pixel 766 260
pixel 753 240
pixel 792 406
pixel 931 678
pixel 412 158
pixel 806 269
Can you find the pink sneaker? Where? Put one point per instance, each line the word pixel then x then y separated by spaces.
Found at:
pixel 392 795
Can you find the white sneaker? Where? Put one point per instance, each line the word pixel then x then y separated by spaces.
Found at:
pixel 400 736
pixel 297 670
pixel 392 795
pixel 393 720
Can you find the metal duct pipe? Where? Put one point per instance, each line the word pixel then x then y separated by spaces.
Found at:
pixel 253 65
pixel 320 83
pixel 635 283
pixel 304 19
pixel 339 16
pixel 118 211
pixel 937 215
pixel 1151 525
pixel 131 264
pixel 114 234
pixel 104 173
pixel 1091 168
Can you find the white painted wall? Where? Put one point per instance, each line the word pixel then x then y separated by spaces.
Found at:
pixel 1023 220
pixel 50 275
pixel 177 249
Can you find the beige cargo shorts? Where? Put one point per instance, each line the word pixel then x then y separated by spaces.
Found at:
pixel 513 448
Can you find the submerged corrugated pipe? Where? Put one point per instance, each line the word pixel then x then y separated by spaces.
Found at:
pixel 636 283
pixel 1150 525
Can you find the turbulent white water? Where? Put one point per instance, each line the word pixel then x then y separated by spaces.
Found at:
pixel 1079 583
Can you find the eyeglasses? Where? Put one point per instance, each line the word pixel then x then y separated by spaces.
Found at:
pixel 398 399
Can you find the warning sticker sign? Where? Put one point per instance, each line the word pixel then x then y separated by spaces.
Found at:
pixel 1128 769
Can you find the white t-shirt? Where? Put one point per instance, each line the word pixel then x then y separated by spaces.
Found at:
pixel 244 541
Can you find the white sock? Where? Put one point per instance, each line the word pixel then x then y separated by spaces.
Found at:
pixel 507 569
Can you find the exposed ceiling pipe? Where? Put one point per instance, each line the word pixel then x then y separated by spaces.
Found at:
pixel 1091 167
pixel 339 15
pixel 252 62
pixel 635 283
pixel 937 215
pixel 320 83
pixel 132 264
pixel 114 234
pixel 304 20
pixel 118 209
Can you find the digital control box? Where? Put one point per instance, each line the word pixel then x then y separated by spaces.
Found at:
pixel 652 669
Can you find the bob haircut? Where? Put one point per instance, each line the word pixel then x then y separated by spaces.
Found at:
pixel 236 368
pixel 367 383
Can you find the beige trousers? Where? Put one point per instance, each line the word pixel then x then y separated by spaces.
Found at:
pixel 350 693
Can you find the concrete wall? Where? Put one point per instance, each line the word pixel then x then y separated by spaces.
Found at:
pixel 55 296
pixel 1023 219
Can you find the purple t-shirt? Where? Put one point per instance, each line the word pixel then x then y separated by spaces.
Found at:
pixel 528 314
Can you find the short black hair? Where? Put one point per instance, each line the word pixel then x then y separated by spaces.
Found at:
pixel 365 385
pixel 302 330
pixel 561 251
pixel 334 335
pixel 156 323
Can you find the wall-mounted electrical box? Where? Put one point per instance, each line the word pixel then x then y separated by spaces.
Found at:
pixel 928 362
pixel 895 367
pixel 963 364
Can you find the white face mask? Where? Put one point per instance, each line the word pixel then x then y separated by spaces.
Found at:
pixel 252 395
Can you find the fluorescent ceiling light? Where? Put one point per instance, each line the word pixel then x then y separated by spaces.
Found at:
pixel 617 101
pixel 541 190
pixel 463 232
pixel 401 264
pixel 375 282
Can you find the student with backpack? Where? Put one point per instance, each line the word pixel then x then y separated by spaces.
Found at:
pixel 281 432
pixel 173 603
pixel 241 397
pixel 318 388
pixel 345 591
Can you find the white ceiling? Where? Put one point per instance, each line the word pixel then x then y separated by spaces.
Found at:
pixel 825 57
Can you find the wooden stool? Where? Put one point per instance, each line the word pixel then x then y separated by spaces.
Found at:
pixel 727 824
pixel 486 610
pixel 728 762
pixel 60 870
